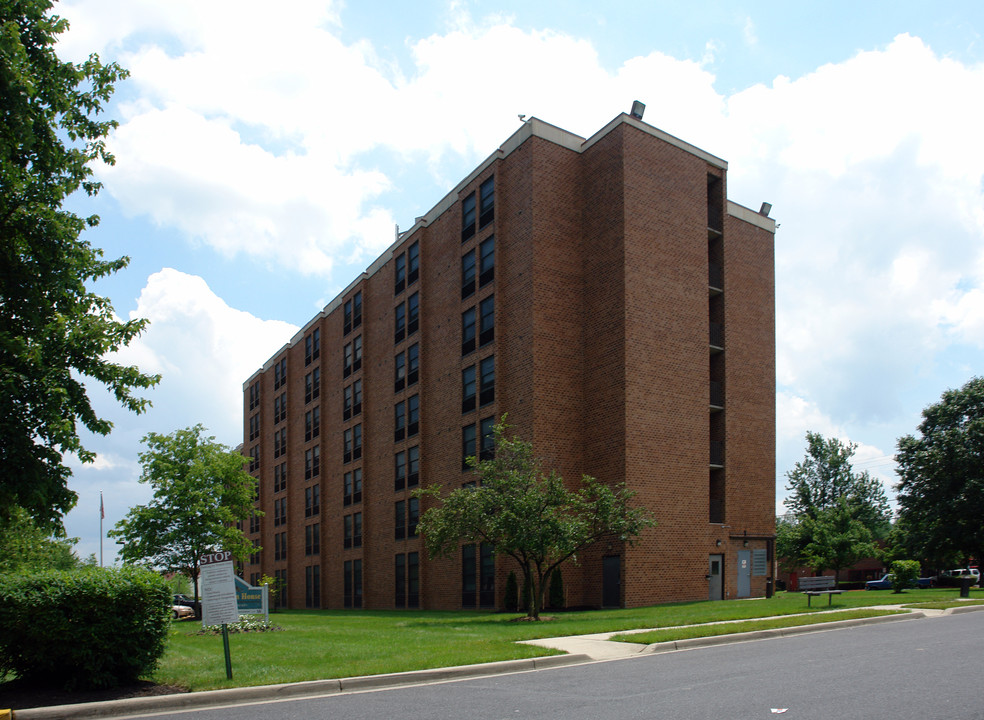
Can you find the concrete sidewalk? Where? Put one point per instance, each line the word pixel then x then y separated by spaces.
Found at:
pixel 579 649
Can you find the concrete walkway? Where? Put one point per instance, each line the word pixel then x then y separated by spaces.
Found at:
pixel 579 649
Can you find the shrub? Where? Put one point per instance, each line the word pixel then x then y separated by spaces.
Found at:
pixel 511 601
pixel 86 628
pixel 904 574
pixel 556 591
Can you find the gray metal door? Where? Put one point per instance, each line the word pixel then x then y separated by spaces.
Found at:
pixel 715 586
pixel 611 581
pixel 744 573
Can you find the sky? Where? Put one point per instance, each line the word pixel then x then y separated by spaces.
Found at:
pixel 266 154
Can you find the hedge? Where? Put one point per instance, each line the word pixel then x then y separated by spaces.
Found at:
pixel 86 628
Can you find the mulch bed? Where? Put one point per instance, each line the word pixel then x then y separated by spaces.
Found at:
pixel 17 695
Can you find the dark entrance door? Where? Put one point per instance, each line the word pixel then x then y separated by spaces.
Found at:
pixel 611 581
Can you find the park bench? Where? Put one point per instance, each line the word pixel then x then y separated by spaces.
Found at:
pixel 823 585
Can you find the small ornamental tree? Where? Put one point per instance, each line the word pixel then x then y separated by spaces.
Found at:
pixel 904 574
pixel 528 513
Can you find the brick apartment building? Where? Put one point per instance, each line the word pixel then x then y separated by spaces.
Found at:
pixel 602 291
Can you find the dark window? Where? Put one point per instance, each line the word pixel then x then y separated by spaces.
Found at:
pixel 347 362
pixel 348 317
pixel 352 584
pixel 280 546
pixel 347 403
pixel 254 421
pixel 413 516
pixel 347 530
pixel 312 347
pixel 353 487
pixel 486 328
pixel 279 373
pixel 356 397
pixel 400 274
pixel 413 415
pixel 254 523
pixel 468 217
pixel 467 274
pixel 400 573
pixel 254 395
pixel 413 580
pixel 401 470
pixel 312 462
pixel 280 477
pixel 468 331
pixel 357 310
pixel 400 514
pixel 413 466
pixel 486 264
pixel 347 446
pixel 400 315
pixel 280 442
pixel 312 385
pixel 357 529
pixel 357 442
pixel 312 424
pixel 254 458
pixel 279 512
pixel 312 500
pixel 400 380
pixel 281 577
pixel 280 409
pixel 487 206
pixel 487 432
pixel 468 576
pixel 413 313
pixel 312 539
pixel 357 353
pixel 312 586
pixel 413 263
pixel 468 389
pixel 400 421
pixel 413 364
pixel 486 575
pixel 256 555
pixel 487 380
pixel 467 445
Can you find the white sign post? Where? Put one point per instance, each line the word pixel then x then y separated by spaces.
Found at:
pixel 219 597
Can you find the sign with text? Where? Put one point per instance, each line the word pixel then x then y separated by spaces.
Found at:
pixel 218 589
pixel 252 600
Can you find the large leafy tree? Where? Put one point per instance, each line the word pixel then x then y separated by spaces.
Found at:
pixel 528 513
pixel 200 493
pixel 54 332
pixel 941 471
pixel 837 512
pixel 24 547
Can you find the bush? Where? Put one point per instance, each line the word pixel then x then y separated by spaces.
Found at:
pixel 86 628
pixel 904 574
pixel 511 602
pixel 556 591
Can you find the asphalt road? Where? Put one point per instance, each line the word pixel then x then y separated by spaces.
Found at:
pixel 929 668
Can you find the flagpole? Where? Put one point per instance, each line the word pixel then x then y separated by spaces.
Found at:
pixel 102 514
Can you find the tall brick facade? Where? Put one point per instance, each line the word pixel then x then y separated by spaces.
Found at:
pixel 603 292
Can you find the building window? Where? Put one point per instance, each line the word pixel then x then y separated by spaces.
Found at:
pixel 352 487
pixel 352 584
pixel 280 442
pixel 486 264
pixel 279 546
pixel 468 217
pixel 256 556
pixel 413 263
pixel 353 531
pixel 467 445
pixel 312 424
pixel 487 433
pixel 400 274
pixel 400 511
pixel 468 331
pixel 312 385
pixel 279 512
pixel 312 539
pixel 401 470
pixel 254 426
pixel 399 421
pixel 353 313
pixel 352 400
pixel 468 274
pixel 400 315
pixel 486 327
pixel 281 577
pixel 468 389
pixel 486 576
pixel 413 466
pixel 400 363
pixel 312 586
pixel 254 523
pixel 280 408
pixel 413 516
pixel 312 462
pixel 413 580
pixel 487 205
pixel 280 477
pixel 487 379
pixel 413 364
pixel 312 347
pixel 353 444
pixel 279 373
pixel 254 395
pixel 413 415
pixel 254 458
pixel 400 574
pixel 468 575
pixel 352 357
pixel 312 500
pixel 413 313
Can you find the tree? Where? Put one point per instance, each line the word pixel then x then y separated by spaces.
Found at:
pixel 200 492
pixel 941 485
pixel 26 547
pixel 54 332
pixel 528 513
pixel 834 538
pixel 904 574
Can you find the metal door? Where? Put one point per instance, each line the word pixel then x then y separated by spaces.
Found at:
pixel 744 573
pixel 611 581
pixel 715 586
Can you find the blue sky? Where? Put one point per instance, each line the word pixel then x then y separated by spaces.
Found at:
pixel 264 160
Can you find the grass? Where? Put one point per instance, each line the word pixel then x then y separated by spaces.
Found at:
pixel 697 631
pixel 944 605
pixel 320 644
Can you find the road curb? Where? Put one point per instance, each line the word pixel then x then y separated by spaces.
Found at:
pixel 311 688
pixel 691 643
pixel 961 610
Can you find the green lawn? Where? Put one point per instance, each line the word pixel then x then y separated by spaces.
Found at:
pixel 319 644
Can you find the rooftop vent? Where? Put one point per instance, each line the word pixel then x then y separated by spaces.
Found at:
pixel 765 209
pixel 638 109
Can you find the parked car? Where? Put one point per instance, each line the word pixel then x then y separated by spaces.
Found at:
pixel 953 578
pixel 180 612
pixel 885 583
pixel 195 605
